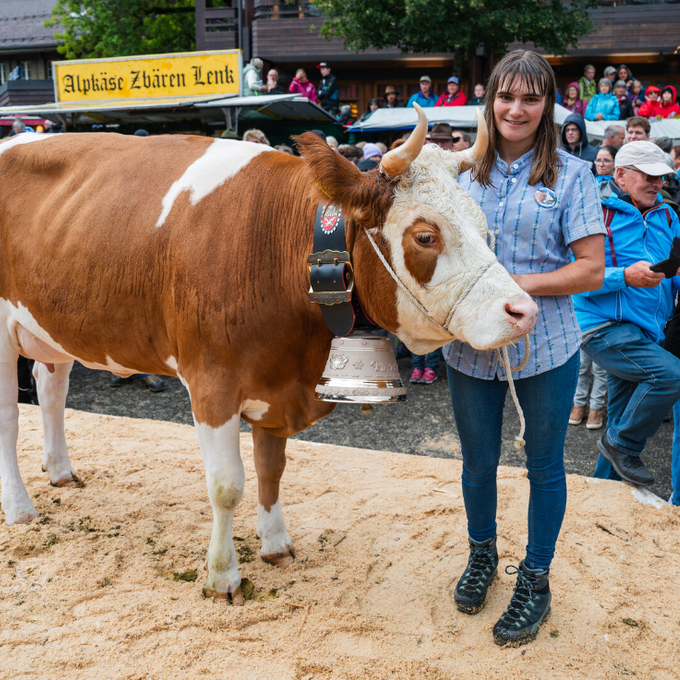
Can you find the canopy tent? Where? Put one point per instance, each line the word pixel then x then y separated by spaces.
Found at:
pixel 139 111
pixel 268 107
pixel 463 117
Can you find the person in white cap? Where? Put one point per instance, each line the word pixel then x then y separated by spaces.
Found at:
pixel 623 322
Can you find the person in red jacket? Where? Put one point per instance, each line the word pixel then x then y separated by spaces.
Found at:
pixel 668 107
pixel 453 96
pixel 649 108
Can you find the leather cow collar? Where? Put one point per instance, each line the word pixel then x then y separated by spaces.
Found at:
pixel 331 275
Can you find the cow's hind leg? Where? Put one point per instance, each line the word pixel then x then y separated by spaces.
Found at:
pixel 226 479
pixel 270 461
pixel 52 391
pixel 16 504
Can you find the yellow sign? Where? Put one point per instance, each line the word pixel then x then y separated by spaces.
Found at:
pixel 163 75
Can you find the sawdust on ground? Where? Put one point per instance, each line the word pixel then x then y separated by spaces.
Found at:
pixel 88 590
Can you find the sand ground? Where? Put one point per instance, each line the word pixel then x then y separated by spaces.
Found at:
pixel 88 590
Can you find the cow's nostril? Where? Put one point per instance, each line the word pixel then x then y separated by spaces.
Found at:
pixel 516 314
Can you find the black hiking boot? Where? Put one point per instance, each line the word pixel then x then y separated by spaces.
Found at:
pixel 481 569
pixel 629 468
pixel 528 608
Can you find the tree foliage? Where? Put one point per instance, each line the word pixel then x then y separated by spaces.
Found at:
pixel 116 28
pixel 455 25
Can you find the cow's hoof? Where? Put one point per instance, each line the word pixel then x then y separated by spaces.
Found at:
pixel 69 480
pixel 235 597
pixel 281 559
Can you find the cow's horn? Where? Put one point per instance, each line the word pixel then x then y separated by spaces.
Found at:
pixel 470 157
pixel 398 161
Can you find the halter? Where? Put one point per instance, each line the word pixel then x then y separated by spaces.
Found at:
pixel 414 300
pixel 504 358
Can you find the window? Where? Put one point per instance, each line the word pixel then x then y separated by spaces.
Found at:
pixel 26 70
pixel 4 72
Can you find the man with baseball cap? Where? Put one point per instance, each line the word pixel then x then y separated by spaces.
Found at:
pixel 453 96
pixel 623 322
pixel 425 97
pixel 328 92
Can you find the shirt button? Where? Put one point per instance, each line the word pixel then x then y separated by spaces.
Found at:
pixel 500 205
pixel 515 166
pixel 497 231
pixel 513 180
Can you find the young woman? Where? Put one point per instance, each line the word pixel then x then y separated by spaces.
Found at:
pixel 542 206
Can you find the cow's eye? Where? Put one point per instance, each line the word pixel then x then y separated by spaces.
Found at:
pixel 426 239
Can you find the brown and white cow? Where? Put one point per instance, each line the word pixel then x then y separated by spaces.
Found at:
pixel 186 256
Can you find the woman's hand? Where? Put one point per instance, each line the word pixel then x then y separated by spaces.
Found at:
pixel 586 272
pixel 599 116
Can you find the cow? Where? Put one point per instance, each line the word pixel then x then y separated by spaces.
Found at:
pixel 186 256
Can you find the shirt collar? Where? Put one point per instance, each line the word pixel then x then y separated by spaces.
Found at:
pixel 516 166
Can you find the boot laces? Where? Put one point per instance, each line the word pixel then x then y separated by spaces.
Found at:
pixel 480 561
pixel 522 595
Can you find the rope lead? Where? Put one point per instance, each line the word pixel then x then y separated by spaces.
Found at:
pixel 505 360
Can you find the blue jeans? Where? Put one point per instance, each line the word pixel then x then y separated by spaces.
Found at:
pixel 423 361
pixel 675 462
pixel 478 409
pixel 643 385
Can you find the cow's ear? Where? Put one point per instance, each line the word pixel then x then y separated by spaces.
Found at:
pixel 337 179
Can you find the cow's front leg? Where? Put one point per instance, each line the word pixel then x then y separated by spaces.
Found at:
pixel 226 479
pixel 270 461
pixel 52 392
pixel 16 504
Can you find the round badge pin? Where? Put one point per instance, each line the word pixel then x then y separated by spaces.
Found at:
pixel 546 198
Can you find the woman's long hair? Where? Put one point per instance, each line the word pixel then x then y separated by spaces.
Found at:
pixel 533 72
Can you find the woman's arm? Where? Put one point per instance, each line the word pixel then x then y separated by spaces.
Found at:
pixel 586 272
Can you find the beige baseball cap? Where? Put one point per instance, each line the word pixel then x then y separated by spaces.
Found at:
pixel 645 156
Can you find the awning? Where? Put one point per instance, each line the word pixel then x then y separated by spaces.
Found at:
pixel 272 107
pixel 464 117
pixel 291 107
pixel 115 111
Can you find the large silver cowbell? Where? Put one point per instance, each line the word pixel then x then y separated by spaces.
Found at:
pixel 361 369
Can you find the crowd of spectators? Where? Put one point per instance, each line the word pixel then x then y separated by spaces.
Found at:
pixel 618 95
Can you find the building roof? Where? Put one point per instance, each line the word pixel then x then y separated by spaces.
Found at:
pixel 22 25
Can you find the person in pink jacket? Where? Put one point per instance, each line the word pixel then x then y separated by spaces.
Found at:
pixel 572 100
pixel 302 86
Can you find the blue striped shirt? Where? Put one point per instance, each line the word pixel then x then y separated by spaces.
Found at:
pixel 530 239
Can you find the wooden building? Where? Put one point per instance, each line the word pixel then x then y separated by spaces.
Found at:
pixel 644 34
pixel 27 49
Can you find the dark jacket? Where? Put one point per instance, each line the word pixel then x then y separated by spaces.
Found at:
pixel 277 89
pixel 584 151
pixel 367 164
pixel 626 108
pixel 328 93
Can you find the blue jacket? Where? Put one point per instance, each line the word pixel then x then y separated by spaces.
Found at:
pixel 606 104
pixel 636 237
pixel 425 103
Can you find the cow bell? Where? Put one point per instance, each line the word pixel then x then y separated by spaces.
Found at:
pixel 361 369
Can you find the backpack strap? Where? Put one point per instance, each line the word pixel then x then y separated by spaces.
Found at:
pixel 608 217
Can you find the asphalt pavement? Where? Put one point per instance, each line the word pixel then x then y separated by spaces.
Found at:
pixel 423 426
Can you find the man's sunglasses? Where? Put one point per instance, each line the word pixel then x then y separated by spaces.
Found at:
pixel 649 178
pixel 456 139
